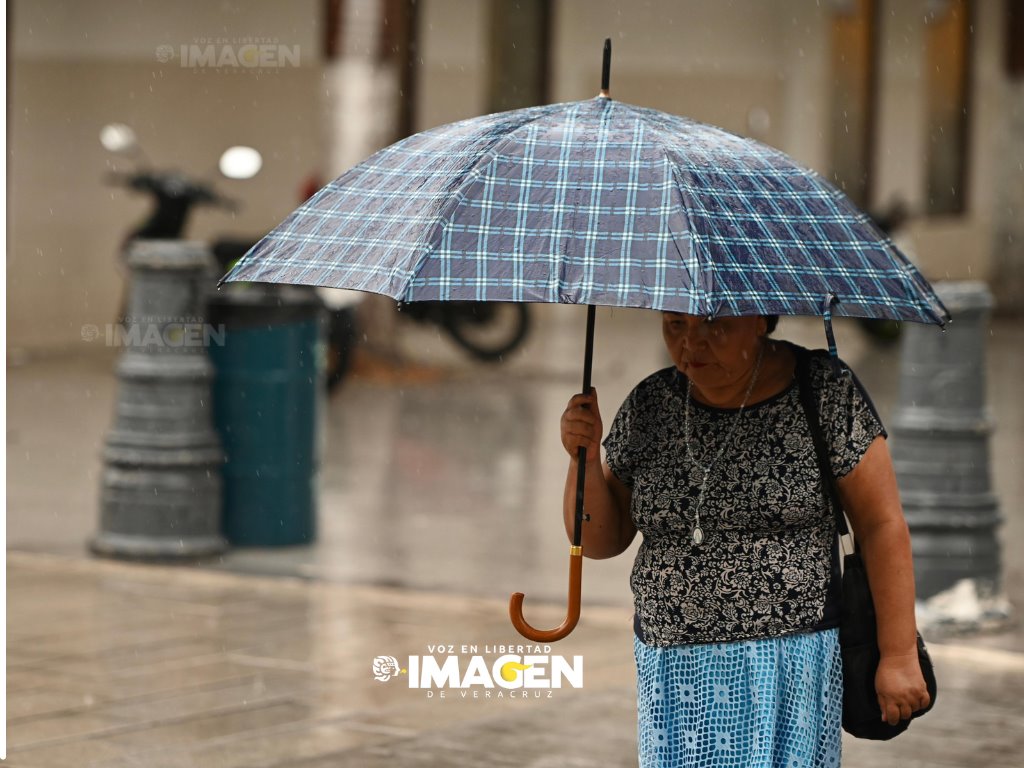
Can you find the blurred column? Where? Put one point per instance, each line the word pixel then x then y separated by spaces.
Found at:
pixel 368 102
pixel 941 431
pixel 366 82
pixel 161 492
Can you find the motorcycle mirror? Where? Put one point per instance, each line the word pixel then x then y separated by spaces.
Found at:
pixel 240 162
pixel 118 138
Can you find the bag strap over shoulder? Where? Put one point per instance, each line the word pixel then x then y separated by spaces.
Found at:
pixel 807 399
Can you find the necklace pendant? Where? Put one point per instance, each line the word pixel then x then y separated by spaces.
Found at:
pixel 698 535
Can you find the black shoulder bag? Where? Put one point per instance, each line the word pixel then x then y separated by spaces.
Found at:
pixel 858 639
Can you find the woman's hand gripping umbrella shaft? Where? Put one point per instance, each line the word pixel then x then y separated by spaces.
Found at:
pixel 610 529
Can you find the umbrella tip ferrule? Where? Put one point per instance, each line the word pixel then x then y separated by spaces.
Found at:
pixel 606 68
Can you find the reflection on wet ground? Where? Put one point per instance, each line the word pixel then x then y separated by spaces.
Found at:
pixel 450 481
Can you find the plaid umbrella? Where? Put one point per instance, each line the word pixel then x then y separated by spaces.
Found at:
pixel 594 202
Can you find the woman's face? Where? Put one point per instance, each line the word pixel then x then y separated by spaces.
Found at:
pixel 713 353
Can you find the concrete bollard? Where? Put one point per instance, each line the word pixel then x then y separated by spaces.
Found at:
pixel 161 488
pixel 940 450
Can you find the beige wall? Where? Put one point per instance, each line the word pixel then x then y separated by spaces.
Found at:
pixel 132 29
pixel 77 66
pixel 65 225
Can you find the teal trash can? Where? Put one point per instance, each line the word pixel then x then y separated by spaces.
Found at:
pixel 268 397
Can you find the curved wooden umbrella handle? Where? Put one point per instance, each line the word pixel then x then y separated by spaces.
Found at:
pixel 515 605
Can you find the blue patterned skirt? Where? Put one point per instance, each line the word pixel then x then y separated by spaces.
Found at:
pixel 770 703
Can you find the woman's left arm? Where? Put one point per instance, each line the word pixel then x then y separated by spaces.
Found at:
pixel 872 501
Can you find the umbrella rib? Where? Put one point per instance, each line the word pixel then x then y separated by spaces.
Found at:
pixel 699 281
pixel 700 286
pixel 911 274
pixel 455 197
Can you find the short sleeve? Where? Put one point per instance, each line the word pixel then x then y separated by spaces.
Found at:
pixel 851 420
pixel 621 446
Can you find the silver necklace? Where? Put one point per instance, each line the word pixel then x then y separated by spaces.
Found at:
pixel 697 534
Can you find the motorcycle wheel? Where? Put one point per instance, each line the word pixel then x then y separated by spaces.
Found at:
pixel 488 331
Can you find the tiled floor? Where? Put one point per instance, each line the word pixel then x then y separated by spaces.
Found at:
pixel 122 665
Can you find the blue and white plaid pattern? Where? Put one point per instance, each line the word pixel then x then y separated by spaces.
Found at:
pixel 593 202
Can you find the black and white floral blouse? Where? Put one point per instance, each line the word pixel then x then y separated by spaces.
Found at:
pixel 765 565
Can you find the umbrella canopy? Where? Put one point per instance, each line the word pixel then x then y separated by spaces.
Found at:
pixel 594 202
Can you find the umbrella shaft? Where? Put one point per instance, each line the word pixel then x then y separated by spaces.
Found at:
pixel 588 356
pixel 606 66
pixel 581 472
pixel 581 483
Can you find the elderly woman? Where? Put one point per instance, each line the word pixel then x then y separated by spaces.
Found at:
pixel 712 461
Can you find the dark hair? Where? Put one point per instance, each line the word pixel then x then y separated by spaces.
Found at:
pixel 773 322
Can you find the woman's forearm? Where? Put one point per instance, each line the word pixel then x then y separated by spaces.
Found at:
pixel 872 501
pixel 887 557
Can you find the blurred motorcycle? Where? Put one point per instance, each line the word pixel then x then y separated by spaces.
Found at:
pixel 174 197
pixel 174 194
pixel 487 330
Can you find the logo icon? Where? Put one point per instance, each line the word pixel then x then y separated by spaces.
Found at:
pixel 510 670
pixel 386 667
pixel 164 53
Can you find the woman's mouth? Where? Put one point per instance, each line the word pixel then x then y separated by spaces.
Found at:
pixel 693 364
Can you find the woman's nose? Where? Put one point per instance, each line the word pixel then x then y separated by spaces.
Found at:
pixel 694 333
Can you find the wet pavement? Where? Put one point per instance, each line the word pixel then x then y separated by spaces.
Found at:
pixel 440 495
